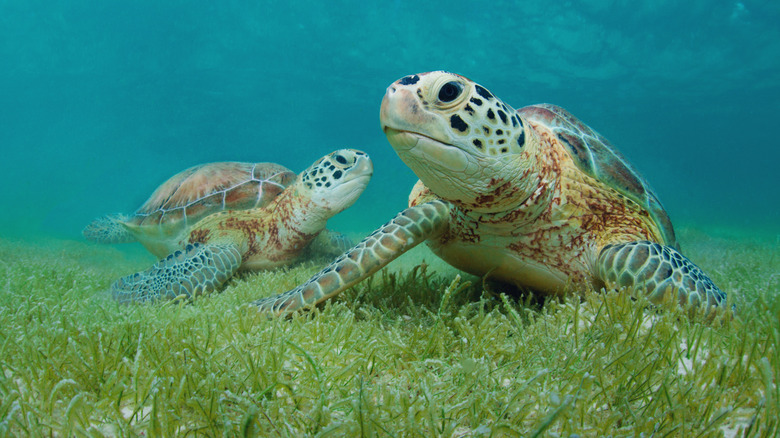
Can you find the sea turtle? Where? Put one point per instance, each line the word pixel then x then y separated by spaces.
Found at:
pixel 532 197
pixel 210 220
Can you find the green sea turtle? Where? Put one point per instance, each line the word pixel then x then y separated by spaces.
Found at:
pixel 532 197
pixel 210 220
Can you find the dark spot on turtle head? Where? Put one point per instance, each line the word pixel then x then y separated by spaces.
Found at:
pixel 476 101
pixel 337 174
pixel 477 143
pixel 458 123
pixel 483 92
pixel 502 115
pixel 521 139
pixel 501 141
pixel 469 109
pixel 514 122
pixel 499 132
pixel 409 80
pixel 491 115
pixel 327 184
pixel 340 158
pixel 504 150
pixel 486 129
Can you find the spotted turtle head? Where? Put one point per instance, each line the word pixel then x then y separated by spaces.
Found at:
pixel 464 143
pixel 335 181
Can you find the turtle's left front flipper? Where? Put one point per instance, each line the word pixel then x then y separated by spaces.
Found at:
pixel 658 270
pixel 195 270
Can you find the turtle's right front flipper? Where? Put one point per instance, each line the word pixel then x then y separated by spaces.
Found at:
pixel 407 229
pixel 195 270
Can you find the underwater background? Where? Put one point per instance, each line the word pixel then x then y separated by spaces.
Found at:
pixel 104 100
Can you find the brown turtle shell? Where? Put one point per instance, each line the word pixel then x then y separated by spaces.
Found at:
pixel 199 191
pixel 594 155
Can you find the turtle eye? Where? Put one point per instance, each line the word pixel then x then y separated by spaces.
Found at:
pixel 449 91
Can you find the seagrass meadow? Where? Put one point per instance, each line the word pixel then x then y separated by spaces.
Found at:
pixel 102 101
pixel 418 350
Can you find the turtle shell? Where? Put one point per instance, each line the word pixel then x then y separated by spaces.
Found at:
pixel 199 191
pixel 594 155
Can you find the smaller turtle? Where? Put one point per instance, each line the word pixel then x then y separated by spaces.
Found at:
pixel 211 220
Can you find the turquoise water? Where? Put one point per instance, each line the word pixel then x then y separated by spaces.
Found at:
pixel 104 100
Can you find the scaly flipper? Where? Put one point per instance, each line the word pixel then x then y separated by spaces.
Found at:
pixel 108 229
pixel 661 271
pixel 404 232
pixel 195 270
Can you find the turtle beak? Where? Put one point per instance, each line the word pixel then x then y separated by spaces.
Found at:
pixel 363 170
pixel 401 110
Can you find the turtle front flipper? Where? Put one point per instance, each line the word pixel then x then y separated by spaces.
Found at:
pixel 405 231
pixel 108 229
pixel 195 270
pixel 660 271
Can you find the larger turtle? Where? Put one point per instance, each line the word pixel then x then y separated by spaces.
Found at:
pixel 210 220
pixel 532 197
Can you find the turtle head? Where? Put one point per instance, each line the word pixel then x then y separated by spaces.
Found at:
pixel 335 181
pixel 465 144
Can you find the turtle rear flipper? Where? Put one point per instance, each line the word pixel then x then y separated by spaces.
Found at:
pixel 195 270
pixel 405 231
pixel 109 229
pixel 659 270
